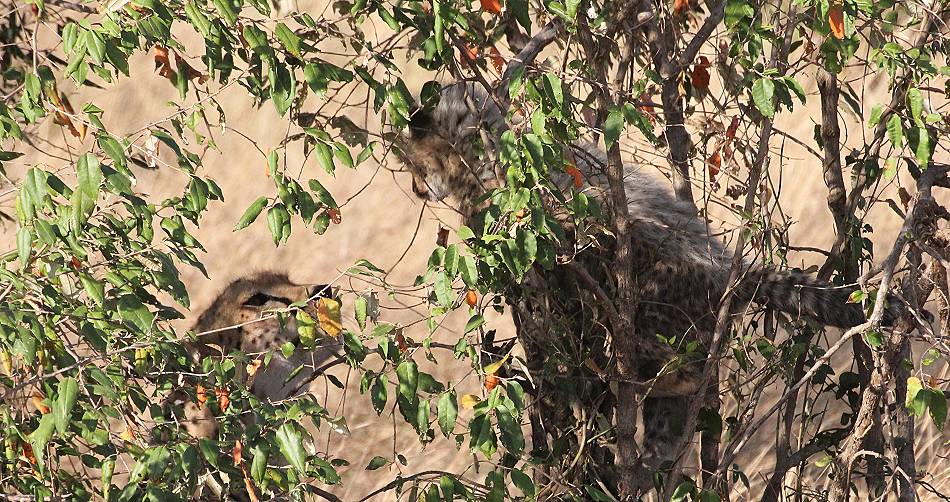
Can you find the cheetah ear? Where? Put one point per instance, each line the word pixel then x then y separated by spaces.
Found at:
pixel 420 122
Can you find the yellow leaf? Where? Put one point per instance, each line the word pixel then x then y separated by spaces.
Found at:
pixel 328 313
pixel 468 401
pixel 493 368
pixel 127 434
pixel 253 366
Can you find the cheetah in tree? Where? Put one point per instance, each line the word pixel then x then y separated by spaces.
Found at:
pixel 681 268
pixel 244 317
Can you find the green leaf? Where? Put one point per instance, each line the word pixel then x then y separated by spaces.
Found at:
pixel 376 462
pixel 876 114
pixel 938 407
pixel 88 181
pixel 252 212
pixel 40 436
pixel 256 39
pixel 197 18
pixel 523 482
pixel 914 386
pixel 511 434
pixel 227 11
pixel 96 47
pixel 520 9
pixel 408 374
pixel 915 102
pixel 65 400
pixel 291 447
pixel 448 409
pixel 438 26
pixel 469 271
pixel 451 261
pixel 325 157
pixel 895 131
pixel 921 142
pixel 322 194
pixel 737 11
pixel 288 39
pixel 259 461
pixel 763 91
pixel 360 307
pixel 131 309
pixel 24 245
pixel 378 394
pixel 473 323
pixel 278 221
pixel 94 288
pixel 443 289
pixel 613 126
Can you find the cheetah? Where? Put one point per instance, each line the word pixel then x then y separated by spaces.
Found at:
pixel 681 269
pixel 243 318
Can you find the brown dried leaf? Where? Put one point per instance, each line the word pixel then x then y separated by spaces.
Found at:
pixel 442 239
pixel 700 76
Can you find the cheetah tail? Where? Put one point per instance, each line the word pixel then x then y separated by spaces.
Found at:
pixel 798 293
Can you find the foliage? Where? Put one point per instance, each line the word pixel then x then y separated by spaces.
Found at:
pixel 91 282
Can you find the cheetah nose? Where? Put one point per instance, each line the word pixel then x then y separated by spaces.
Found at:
pixel 320 291
pixel 420 189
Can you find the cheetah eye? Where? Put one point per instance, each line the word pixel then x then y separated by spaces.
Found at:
pixel 261 299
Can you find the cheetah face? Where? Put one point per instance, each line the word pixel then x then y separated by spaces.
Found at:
pixel 265 332
pixel 429 160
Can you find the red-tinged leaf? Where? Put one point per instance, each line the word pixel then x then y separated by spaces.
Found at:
pixel 468 56
pixel 714 162
pixel 491 6
pixel 497 61
pixel 647 109
pixel 727 152
pixel 680 7
pixel 836 20
pixel 401 342
pixel 192 73
pixel 38 403
pixel 28 452
pixel 223 399
pixel 700 77
pixel 335 215
pixel 163 64
pixel 733 127
pixel 576 174
pixel 202 395
pixel 236 453
pixel 249 486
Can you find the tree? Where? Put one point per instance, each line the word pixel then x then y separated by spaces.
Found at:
pixel 92 283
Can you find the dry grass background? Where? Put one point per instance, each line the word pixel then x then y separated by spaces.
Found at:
pixel 384 223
